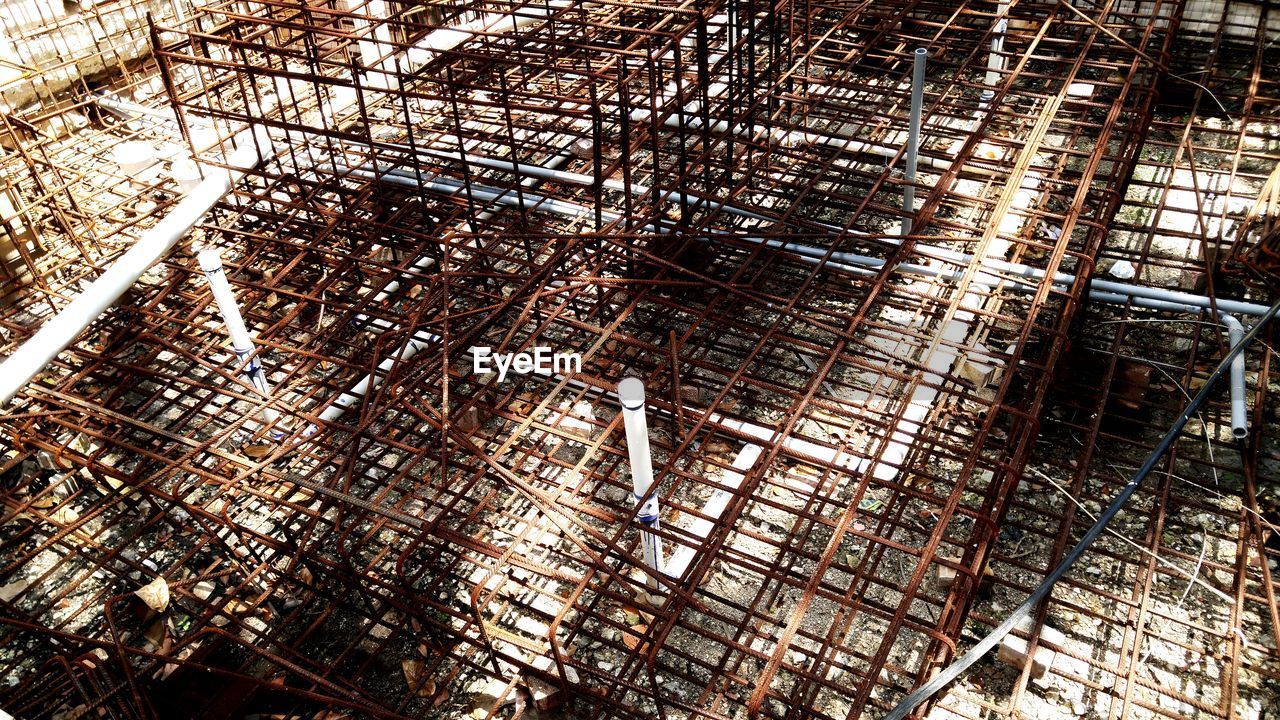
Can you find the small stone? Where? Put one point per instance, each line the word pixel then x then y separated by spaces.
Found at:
pixel 1014 650
pixel 946 574
pixel 545 696
pixel 1123 270
pixel 203 589
pixel 469 420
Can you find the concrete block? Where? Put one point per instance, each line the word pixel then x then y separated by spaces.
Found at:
pixel 1014 650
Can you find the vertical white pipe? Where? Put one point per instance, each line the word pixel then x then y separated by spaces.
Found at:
pixel 631 396
pixel 995 60
pixel 913 140
pixel 211 263
pixel 1239 405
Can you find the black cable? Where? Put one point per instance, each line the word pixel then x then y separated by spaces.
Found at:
pixel 952 671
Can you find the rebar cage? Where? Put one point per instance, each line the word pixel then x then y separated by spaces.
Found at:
pixel 849 425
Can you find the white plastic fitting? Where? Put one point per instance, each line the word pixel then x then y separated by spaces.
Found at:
pixel 134 156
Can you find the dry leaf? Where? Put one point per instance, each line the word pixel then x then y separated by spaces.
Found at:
pixel 632 639
pixel 412 670
pixel 44 502
pixel 155 594
pixel 64 515
pixel 256 451
pixel 74 713
pixel 155 633
pixel 716 447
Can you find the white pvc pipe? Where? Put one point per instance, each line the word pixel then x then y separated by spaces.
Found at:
pixel 448 38
pixel 419 340
pixel 712 509
pixel 1103 290
pixel 996 60
pixel 62 329
pixel 379 72
pixel 211 263
pixel 918 408
pixel 1235 332
pixel 371 381
pixel 631 398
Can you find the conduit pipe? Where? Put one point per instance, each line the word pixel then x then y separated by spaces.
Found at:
pixel 418 340
pixel 949 674
pixel 1239 406
pixel 62 329
pixel 373 13
pixel 913 141
pixel 631 398
pixel 850 262
pixel 449 38
pixel 995 60
pixel 550 170
pixel 335 409
pixel 1235 331
pixel 210 260
pixel 1102 290
pixel 712 509
pixel 863 262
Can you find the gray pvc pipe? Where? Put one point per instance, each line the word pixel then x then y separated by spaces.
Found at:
pixel 913 141
pixel 1235 331
pixel 1103 290
pixel 1239 406
pixel 864 262
pixel 1110 291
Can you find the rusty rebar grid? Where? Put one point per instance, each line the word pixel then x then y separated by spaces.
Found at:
pixel 480 529
pixel 1174 614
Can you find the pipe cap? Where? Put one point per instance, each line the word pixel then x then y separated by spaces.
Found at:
pixel 210 259
pixel 631 393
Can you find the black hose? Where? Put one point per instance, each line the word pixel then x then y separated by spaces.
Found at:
pixel 952 671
